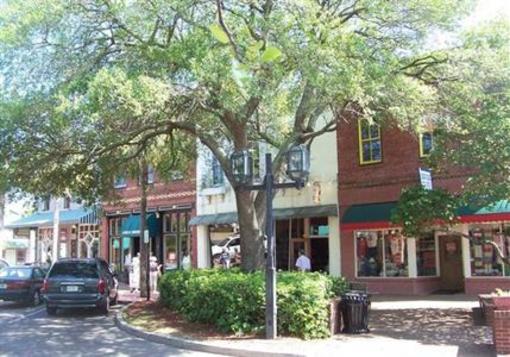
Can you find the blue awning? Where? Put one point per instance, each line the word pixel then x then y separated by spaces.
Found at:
pixel 131 225
pixel 39 219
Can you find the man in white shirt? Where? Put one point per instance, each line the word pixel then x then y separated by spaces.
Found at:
pixel 303 262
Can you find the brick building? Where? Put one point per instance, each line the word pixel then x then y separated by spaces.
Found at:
pixel 374 164
pixel 170 206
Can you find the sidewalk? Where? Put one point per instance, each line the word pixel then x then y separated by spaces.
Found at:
pixel 127 297
pixel 438 325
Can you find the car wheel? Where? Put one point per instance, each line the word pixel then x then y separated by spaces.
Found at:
pixel 115 300
pixel 105 307
pixel 51 311
pixel 36 298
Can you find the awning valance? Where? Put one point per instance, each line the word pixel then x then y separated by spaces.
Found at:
pixel 378 215
pixel 131 225
pixel 68 216
pixel 279 213
pixel 16 244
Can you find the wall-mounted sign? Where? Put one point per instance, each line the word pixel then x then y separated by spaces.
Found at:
pixel 425 178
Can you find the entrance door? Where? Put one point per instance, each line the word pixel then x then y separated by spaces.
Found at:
pixel 319 251
pixel 452 277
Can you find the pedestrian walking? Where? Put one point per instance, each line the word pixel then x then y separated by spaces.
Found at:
pixel 303 262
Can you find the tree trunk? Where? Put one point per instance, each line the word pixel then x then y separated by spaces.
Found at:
pixel 252 242
pixel 144 247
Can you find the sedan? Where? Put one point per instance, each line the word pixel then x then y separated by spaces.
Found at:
pixel 21 284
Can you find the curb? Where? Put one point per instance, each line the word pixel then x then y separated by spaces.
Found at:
pixel 186 344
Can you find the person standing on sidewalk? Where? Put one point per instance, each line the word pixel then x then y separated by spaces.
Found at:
pixel 303 262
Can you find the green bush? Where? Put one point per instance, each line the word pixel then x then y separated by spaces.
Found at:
pixel 234 301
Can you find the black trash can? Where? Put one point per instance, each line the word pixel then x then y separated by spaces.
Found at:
pixel 355 307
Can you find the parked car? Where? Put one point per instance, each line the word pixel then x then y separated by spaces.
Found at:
pixel 232 244
pixel 3 264
pixel 22 284
pixel 76 283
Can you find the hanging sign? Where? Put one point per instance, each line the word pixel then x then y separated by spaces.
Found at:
pixel 425 178
pixel 146 236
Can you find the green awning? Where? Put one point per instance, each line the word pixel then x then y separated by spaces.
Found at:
pixel 131 225
pixel 381 212
pixel 502 206
pixel 279 213
pixel 370 212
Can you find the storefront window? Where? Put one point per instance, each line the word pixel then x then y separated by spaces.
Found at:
pixel 381 253
pixel 485 260
pixel 115 251
pixel 171 252
pixel 395 254
pixel 369 253
pixel 426 255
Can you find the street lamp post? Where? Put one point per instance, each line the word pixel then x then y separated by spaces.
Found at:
pixel 298 166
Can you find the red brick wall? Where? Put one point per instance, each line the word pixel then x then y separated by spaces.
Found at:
pixel 383 182
pixel 485 285
pixel 501 331
pixel 159 195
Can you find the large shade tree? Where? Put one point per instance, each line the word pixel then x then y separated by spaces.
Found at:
pixel 471 134
pixel 230 73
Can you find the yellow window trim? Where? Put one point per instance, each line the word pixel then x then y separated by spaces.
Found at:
pixel 422 154
pixel 370 139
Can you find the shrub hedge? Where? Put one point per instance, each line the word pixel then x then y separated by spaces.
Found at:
pixel 234 301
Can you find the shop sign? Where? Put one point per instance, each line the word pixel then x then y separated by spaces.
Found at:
pixel 425 178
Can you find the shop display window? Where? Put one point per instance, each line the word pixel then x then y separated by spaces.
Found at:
pixel 426 255
pixel 485 260
pixel 370 254
pixel 381 253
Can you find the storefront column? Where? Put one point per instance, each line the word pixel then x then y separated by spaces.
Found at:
pixel 334 246
pixel 32 247
pixel 411 256
pixel 203 250
pixel 466 252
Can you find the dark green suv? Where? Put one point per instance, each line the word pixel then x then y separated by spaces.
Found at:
pixel 74 283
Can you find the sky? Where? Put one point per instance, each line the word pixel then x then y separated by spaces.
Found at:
pixel 487 10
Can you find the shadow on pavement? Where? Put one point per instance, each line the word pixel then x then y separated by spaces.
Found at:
pixel 75 332
pixel 434 327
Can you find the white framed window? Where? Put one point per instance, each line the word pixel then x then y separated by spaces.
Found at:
pixel 217 173
pixel 120 181
pixel 426 143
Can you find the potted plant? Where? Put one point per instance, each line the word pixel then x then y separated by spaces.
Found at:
pixel 501 299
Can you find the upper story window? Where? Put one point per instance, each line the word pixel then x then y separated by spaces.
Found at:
pixel 67 202
pixel 426 143
pixel 370 148
pixel 120 181
pixel 150 174
pixel 46 204
pixel 217 173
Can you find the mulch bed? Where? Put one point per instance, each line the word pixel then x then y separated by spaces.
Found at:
pixel 154 317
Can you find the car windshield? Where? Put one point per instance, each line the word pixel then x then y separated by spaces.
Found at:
pixel 84 270
pixel 17 273
pixel 223 242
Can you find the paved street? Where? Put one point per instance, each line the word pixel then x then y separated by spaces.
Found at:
pixel 29 331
